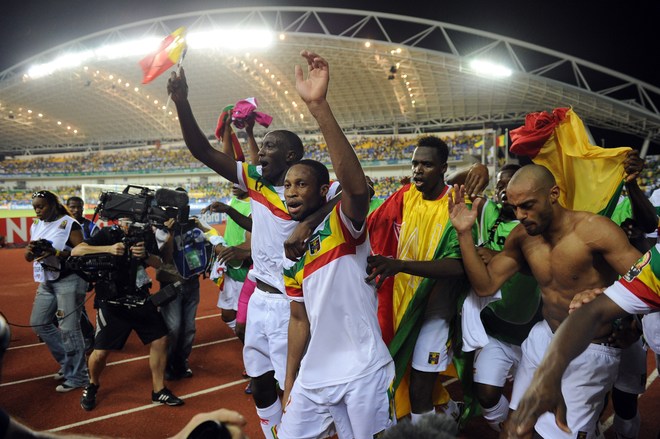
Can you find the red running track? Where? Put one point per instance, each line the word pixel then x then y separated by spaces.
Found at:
pixel 27 389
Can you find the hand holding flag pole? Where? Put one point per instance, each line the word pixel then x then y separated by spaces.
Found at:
pixel 178 72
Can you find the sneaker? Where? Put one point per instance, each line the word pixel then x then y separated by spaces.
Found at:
pixel 58 376
pixel 188 373
pixel 63 388
pixel 248 388
pixel 165 396
pixel 88 398
pixel 454 409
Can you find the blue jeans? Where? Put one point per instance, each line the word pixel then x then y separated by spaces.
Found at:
pixel 64 299
pixel 179 316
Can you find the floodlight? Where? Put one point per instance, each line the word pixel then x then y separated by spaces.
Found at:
pixel 489 68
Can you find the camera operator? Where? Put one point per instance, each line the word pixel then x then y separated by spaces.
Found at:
pixel 61 292
pixel 123 307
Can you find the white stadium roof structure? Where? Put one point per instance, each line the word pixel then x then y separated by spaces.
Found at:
pixel 389 73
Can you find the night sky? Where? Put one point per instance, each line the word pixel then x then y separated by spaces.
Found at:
pixel 622 37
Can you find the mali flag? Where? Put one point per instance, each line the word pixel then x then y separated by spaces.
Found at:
pixel 589 177
pixel 407 227
pixel 170 52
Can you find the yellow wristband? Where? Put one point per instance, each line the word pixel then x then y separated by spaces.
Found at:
pixel 57 253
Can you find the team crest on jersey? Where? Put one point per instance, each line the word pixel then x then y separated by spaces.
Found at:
pixel 63 225
pixel 637 268
pixel 434 357
pixel 315 245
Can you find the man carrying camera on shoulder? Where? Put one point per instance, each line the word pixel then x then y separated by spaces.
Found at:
pixel 124 305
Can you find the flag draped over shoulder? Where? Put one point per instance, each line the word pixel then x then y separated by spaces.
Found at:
pixel 589 177
pixel 400 313
pixel 224 123
pixel 170 52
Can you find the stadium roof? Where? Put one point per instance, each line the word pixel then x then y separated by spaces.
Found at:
pixel 389 73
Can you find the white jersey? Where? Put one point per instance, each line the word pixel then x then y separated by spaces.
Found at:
pixel 57 232
pixel 271 224
pixel 345 339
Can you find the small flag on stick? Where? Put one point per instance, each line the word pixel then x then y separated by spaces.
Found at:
pixel 169 53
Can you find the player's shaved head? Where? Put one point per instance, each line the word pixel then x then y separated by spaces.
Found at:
pixel 531 178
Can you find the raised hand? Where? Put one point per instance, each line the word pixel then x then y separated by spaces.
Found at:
pixel 177 86
pixel 633 165
pixel 315 87
pixel 461 216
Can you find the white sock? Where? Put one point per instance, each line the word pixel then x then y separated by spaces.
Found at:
pixel 270 418
pixel 232 325
pixel 497 414
pixel 415 417
pixel 627 428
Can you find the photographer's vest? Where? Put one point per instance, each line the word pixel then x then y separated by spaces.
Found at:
pixel 57 232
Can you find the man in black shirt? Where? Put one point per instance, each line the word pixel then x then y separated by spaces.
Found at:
pixel 124 307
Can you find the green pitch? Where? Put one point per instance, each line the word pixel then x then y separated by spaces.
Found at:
pixel 17 213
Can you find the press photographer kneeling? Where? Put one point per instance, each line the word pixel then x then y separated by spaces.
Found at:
pixel 122 293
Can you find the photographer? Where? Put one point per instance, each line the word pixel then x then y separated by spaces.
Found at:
pixel 61 292
pixel 123 305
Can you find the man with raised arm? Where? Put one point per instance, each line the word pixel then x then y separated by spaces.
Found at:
pixel 264 354
pixel 566 251
pixel 637 292
pixel 342 383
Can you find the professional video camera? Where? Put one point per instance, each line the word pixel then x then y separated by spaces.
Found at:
pixel 144 207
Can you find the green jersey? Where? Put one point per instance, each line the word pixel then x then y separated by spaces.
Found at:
pixel 235 235
pixel 511 318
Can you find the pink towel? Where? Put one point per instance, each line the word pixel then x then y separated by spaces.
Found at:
pixel 245 109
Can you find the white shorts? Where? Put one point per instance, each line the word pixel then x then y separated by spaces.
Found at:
pixel 651 325
pixel 228 296
pixel 632 370
pixel 584 384
pixel 358 409
pixel 266 335
pixel 432 351
pixel 496 362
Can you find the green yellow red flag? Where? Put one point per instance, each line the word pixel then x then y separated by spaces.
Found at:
pixel 589 177
pixel 170 52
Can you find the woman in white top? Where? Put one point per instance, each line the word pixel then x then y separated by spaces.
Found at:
pixel 61 292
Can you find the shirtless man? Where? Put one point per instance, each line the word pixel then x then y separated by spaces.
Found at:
pixel 566 251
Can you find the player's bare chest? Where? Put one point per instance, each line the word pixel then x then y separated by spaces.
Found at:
pixel 568 262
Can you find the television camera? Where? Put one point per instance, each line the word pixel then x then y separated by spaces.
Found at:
pixel 145 209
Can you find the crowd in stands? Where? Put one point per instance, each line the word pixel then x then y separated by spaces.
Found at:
pixel 164 160
pixel 197 192
pixel 180 159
